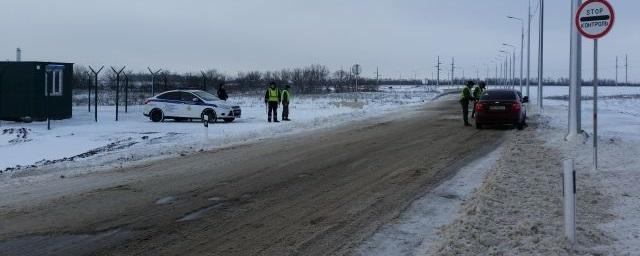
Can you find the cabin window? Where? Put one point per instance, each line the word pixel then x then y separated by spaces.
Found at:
pixel 54 82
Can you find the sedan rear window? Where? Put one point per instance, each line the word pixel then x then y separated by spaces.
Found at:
pixel 498 95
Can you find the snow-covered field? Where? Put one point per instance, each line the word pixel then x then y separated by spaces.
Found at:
pixel 618 173
pixel 79 144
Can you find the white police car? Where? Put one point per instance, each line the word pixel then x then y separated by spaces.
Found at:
pixel 188 105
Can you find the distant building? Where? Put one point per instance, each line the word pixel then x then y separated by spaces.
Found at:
pixel 23 94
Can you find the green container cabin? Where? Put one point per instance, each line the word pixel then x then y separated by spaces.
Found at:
pixel 23 95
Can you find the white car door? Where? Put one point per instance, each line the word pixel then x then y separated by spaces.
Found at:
pixel 190 108
pixel 169 103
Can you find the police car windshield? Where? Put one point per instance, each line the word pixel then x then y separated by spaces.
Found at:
pixel 206 96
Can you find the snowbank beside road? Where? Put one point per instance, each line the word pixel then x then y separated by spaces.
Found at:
pixel 415 231
pixel 518 211
pixel 618 175
pixel 79 144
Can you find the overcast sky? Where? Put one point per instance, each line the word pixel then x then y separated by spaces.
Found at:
pixel 401 37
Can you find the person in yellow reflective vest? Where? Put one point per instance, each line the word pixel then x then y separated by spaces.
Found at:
pixel 272 100
pixel 465 97
pixel 477 93
pixel 286 98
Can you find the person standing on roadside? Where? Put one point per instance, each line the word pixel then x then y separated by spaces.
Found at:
pixel 272 100
pixel 477 93
pixel 286 97
pixel 465 97
pixel 222 93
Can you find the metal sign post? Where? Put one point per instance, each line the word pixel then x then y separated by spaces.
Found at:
pixel 594 19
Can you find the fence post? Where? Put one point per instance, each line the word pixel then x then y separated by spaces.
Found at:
pixel 95 101
pixel 569 191
pixel 117 89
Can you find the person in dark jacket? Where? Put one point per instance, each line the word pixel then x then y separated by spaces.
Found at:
pixel 286 97
pixel 222 93
pixel 272 100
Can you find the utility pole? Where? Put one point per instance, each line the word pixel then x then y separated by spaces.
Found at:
pixel 497 73
pixel 575 77
pixel 626 69
pixel 507 72
pixel 438 72
pixel 453 67
pixel 540 55
pixel 616 70
pixel 377 77
pixel 513 70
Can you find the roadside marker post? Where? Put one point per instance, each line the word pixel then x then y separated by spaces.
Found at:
pixel 569 194
pixel 594 19
pixel 205 121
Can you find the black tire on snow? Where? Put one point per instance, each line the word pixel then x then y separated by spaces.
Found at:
pixel 228 120
pixel 478 126
pixel 156 115
pixel 213 118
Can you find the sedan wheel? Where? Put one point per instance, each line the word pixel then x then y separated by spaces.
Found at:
pixel 156 115
pixel 212 115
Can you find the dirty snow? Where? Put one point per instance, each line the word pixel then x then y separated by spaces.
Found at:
pixel 414 232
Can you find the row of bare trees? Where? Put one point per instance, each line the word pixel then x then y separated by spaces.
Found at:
pixel 310 79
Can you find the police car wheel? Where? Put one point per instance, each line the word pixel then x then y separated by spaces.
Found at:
pixel 156 115
pixel 212 115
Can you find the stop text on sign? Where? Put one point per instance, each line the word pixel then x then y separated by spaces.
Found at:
pixel 595 18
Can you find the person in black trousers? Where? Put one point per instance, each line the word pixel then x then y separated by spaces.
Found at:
pixel 272 99
pixel 286 96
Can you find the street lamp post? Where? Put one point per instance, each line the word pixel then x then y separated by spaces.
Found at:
pixel 507 69
pixel 540 55
pixel 575 78
pixel 529 49
pixel 521 47
pixel 513 64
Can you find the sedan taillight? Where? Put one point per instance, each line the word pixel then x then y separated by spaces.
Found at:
pixel 516 106
pixel 480 107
